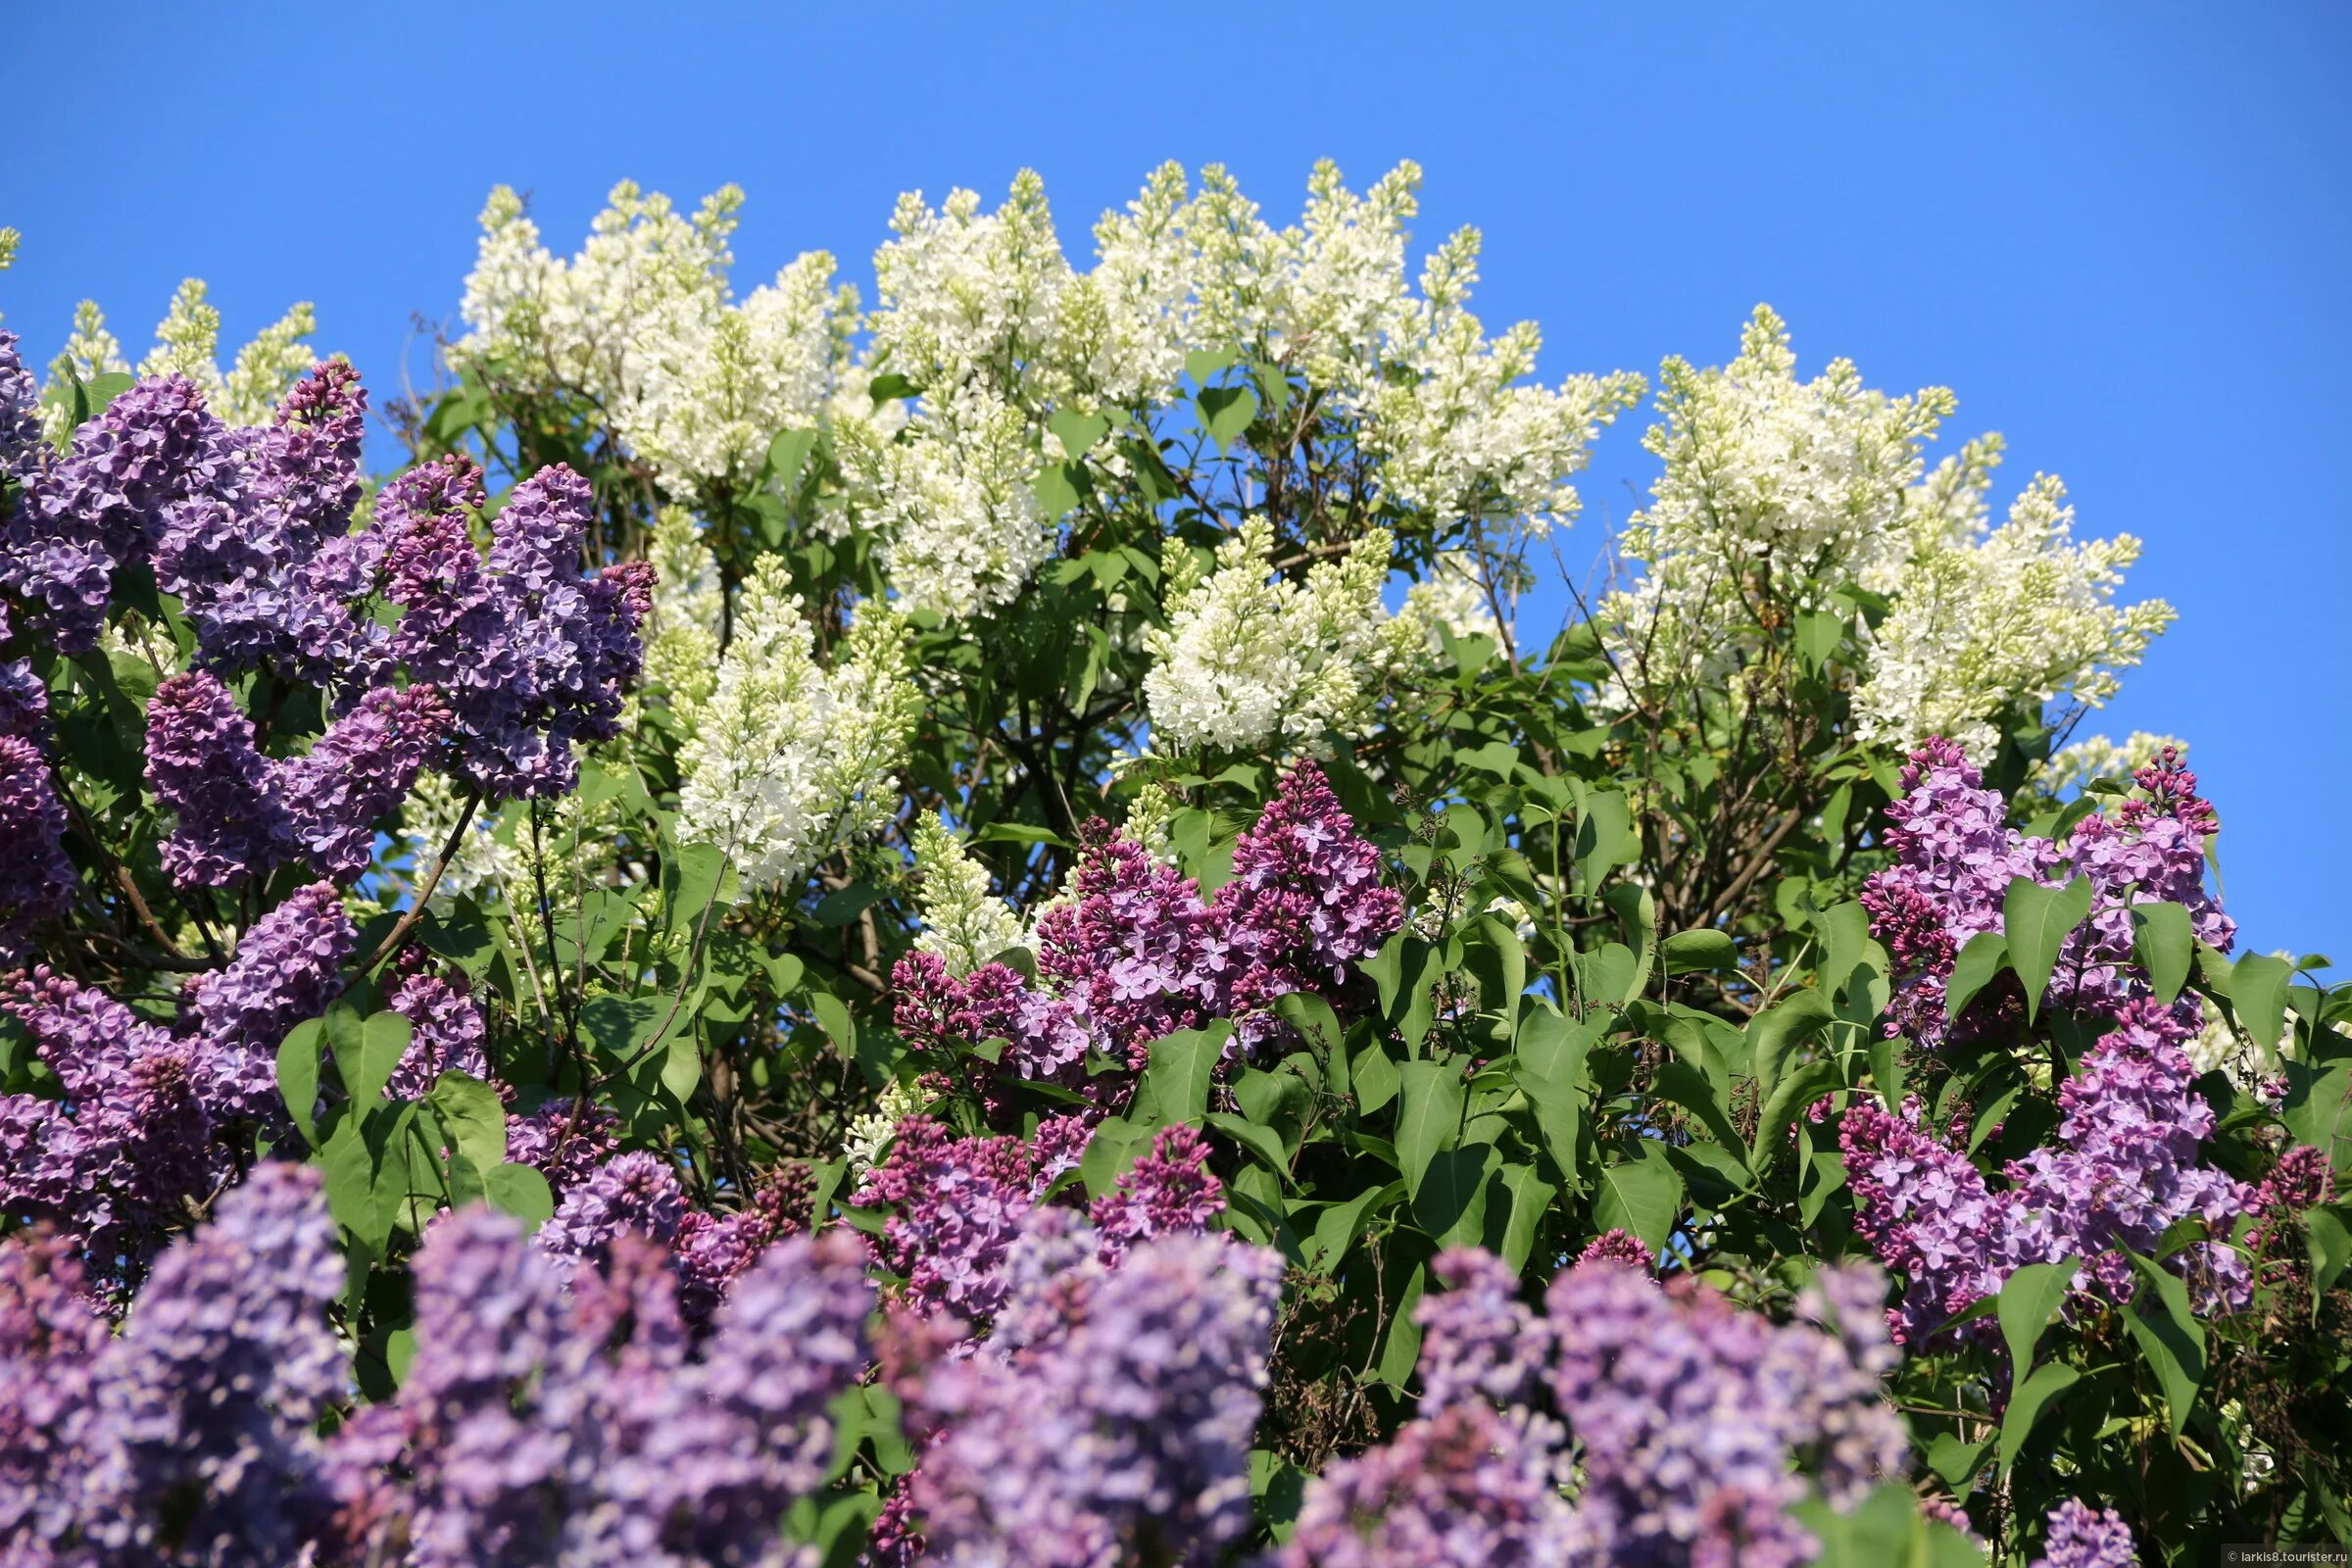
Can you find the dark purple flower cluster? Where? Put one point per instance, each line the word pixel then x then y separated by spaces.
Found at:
pixel 444 1033
pixel 188 1439
pixel 1955 857
pixel 531 653
pixel 1168 1191
pixel 286 970
pixel 36 880
pixel 2124 1171
pixel 540 1423
pixel 1136 953
pixel 268 571
pixel 2078 1537
pixel 116 1159
pixel 1696 1424
pixel 1118 1430
pixel 565 1140
pixel 238 814
pixel 21 444
pixel 106 505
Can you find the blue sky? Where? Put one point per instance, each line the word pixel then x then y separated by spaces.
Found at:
pixel 2119 232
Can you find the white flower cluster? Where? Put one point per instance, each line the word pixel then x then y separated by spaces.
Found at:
pixel 1779 496
pixel 964 922
pixel 1455 595
pixel 1249 655
pixel 681 652
pixel 789 758
pixel 187 342
pixel 2097 756
pixel 866 1137
pixel 641 324
pixel 482 863
pixel 2022 613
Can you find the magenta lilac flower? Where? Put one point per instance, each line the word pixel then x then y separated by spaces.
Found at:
pixel 1168 1191
pixel 21 444
pixel 1306 899
pixel 958 1204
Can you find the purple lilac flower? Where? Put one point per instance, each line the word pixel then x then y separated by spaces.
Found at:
pixel 2124 1171
pixel 1619 1246
pixel 1464 1488
pixel 36 880
pixel 102 508
pixel 1954 858
pixel 1479 1342
pixel 713 1250
pixel 2078 1537
pixel 1168 1191
pixel 287 970
pixel 531 654
pixel 204 769
pixel 546 1428
pixel 354 773
pixel 1137 951
pixel 113 1161
pixel 197 1437
pixel 445 1035
pixel 51 1336
pixel 565 1140
pixel 636 1192
pixel 1126 1434
pixel 959 1202
pixel 21 444
pixel 264 574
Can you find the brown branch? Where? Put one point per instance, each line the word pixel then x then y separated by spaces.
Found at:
pixel 425 892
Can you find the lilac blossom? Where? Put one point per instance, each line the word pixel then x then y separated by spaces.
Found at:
pixel 713 1250
pixel 287 970
pixel 2078 1537
pixel 1306 899
pixel 445 1034
pixel 357 772
pixel 958 1204
pixel 1463 1487
pixel 531 653
pixel 565 1140
pixel 115 1159
pixel 51 1336
pixel 36 880
pixel 636 1192
pixel 20 445
pixel 2125 1169
pixel 1479 1342
pixel 1166 1192
pixel 205 770
pixel 103 506
pixel 1125 1434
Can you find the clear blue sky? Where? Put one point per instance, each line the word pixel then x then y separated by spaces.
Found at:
pixel 2118 231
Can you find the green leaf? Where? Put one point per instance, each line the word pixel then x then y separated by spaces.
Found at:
pixel 1552 1045
pixel 2170 1337
pixel 1258 1141
pixel 2028 1300
pixel 1225 413
pixel 472 1116
pixel 1077 432
pixel 1986 956
pixel 693 876
pixel 1531 1200
pixel 520 1191
pixel 787 454
pixel 298 1075
pixel 367 1053
pixel 833 1017
pixel 2319 1108
pixel 1694 1092
pixel 2036 921
pixel 1818 633
pixel 1202 365
pixel 2257 994
pixel 1605 835
pixel 1110 1153
pixel 1643 1196
pixel 1056 490
pixel 2329 1240
pixel 1451 1206
pixel 1341 1224
pixel 2164 943
pixel 1431 1119
pixel 1789 1098
pixel 1176 1079
pixel 2025 1407
pixel 1688 950
pixel 1374 1073
pixel 1560 1117
pixel 1773 1034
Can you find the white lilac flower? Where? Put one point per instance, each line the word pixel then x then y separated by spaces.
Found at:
pixel 1247 657
pixel 789 758
pixel 964 922
pixel 2024 615
pixel 2097 756
pixel 681 652
pixel 964 293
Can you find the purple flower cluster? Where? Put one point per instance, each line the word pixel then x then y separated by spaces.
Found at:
pixel 540 1424
pixel 116 1159
pixel 268 570
pixel 238 813
pixel 1955 857
pixel 2078 1537
pixel 2124 1171
pixel 1138 952
pixel 1696 1424
pixel 636 1193
pixel 188 1439
pixel 565 1140
pixel 285 972
pixel 1120 1432
pixel 21 444
pixel 105 505
pixel 1168 1191
pixel 36 880
pixel 713 1250
pixel 531 653
pixel 444 1033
